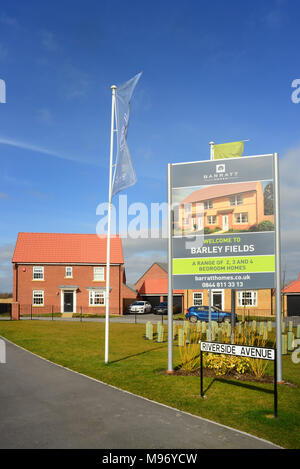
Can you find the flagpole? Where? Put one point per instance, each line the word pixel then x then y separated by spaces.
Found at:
pixel 113 101
pixel 211 150
pixel 212 155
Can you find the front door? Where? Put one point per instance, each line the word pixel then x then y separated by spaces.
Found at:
pixel 217 299
pixel 200 223
pixel 68 302
pixel 225 223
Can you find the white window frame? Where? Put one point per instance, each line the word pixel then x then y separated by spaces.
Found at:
pixel 68 269
pixel 197 301
pixel 238 218
pixel 247 298
pixel 212 219
pixel 95 297
pixel 38 272
pixel 187 208
pixel 208 204
pixel 236 199
pixel 38 295
pixel 99 274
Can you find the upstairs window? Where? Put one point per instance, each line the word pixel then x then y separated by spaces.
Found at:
pixel 236 200
pixel 69 272
pixel 99 274
pixel 208 204
pixel 38 273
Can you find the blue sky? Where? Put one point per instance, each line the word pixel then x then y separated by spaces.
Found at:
pixel 213 70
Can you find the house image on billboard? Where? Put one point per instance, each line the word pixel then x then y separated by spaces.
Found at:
pixel 224 207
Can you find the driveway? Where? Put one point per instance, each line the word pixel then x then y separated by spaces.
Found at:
pixel 44 405
pixel 132 318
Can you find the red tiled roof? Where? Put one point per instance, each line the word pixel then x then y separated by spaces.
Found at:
pixel 156 286
pixel 128 292
pixel 293 287
pixel 66 248
pixel 221 190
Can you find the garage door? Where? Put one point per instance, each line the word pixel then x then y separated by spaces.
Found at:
pixel 293 305
pixel 177 300
pixel 153 300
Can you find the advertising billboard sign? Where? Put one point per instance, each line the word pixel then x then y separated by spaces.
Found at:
pixel 223 226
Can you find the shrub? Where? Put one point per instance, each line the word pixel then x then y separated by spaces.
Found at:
pixel 233 230
pixel 265 226
pixel 189 353
pixel 225 364
pixel 244 334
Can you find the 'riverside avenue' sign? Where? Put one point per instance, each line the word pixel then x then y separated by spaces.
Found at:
pixel 239 350
pixel 261 353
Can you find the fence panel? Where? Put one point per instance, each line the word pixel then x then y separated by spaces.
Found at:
pixel 5 311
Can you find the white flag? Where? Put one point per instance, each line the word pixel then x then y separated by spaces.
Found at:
pixel 124 175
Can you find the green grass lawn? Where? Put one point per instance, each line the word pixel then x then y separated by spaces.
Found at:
pixel 138 365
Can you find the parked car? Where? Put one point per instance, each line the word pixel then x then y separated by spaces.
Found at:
pixel 200 313
pixel 162 308
pixel 140 307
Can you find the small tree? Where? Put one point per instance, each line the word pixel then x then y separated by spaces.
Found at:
pixel 269 199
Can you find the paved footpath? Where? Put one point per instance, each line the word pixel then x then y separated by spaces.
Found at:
pixel 43 405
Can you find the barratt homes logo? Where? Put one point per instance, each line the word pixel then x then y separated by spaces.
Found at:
pixel 220 174
pixel 220 168
pixel 2 91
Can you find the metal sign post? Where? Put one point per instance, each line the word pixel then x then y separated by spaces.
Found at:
pixel 259 353
pixel 278 268
pixel 170 276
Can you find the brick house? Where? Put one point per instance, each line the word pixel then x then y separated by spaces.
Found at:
pixel 225 207
pixel 153 287
pixel 291 298
pixel 247 302
pixel 66 273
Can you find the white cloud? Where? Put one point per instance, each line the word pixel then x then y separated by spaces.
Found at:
pixel 48 41
pixel 8 20
pixel 76 83
pixel 42 150
pixel 6 253
pixel 141 253
pixel 28 146
pixel 45 116
pixel 3 52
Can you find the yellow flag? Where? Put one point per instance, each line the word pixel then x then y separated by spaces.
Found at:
pixel 228 150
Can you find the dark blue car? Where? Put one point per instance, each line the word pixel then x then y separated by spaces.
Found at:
pixel 200 313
